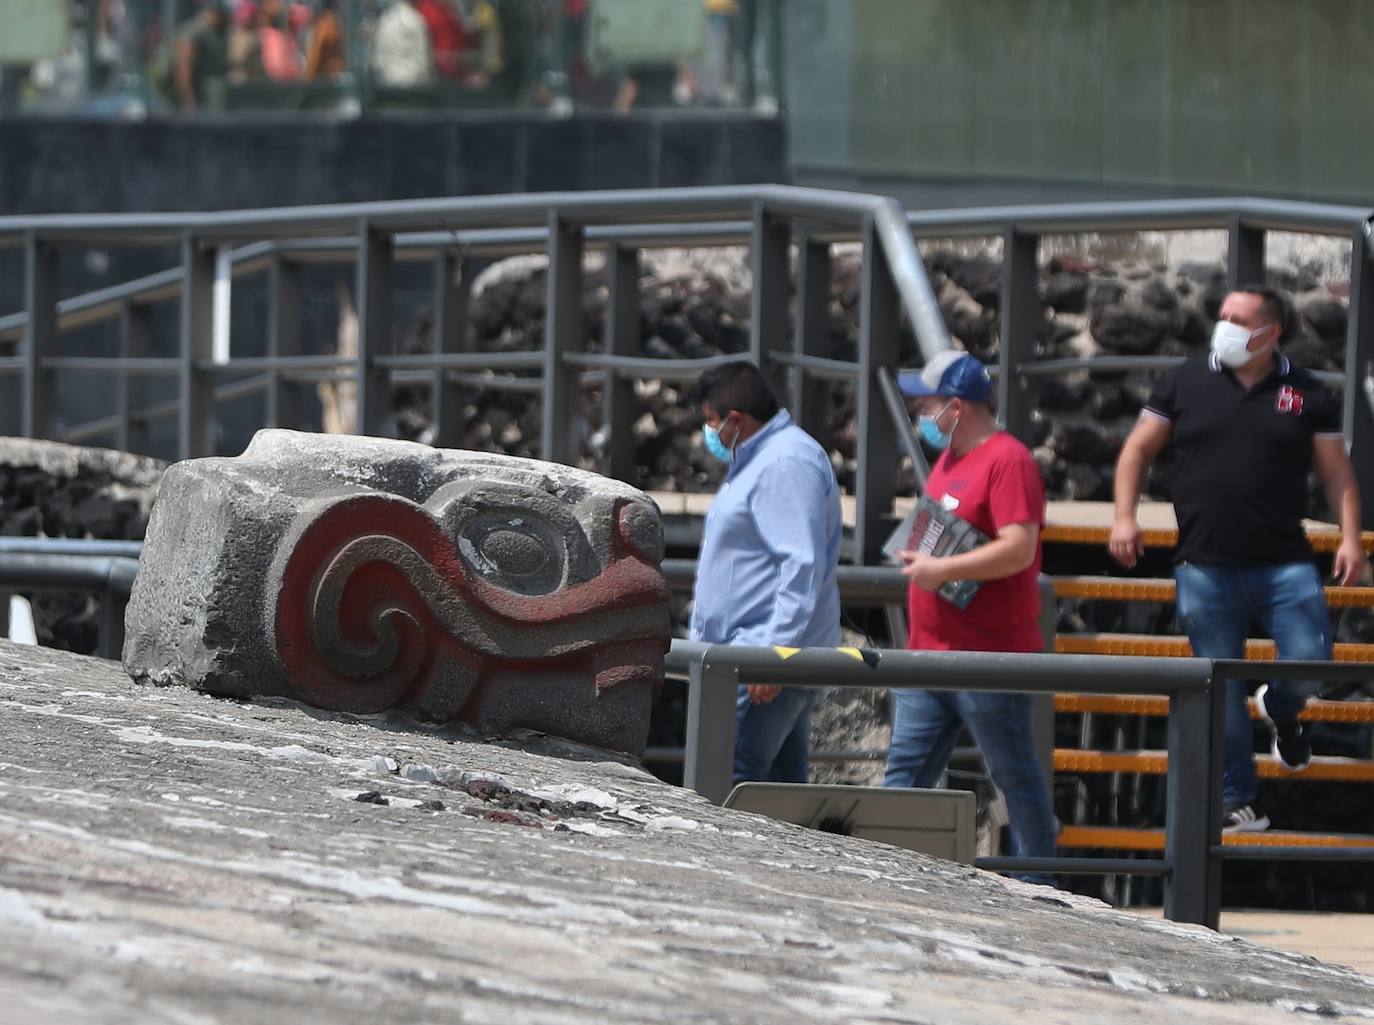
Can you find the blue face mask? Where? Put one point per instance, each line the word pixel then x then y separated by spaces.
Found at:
pixel 711 435
pixel 931 433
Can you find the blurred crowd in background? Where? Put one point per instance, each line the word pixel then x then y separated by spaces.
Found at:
pixel 149 57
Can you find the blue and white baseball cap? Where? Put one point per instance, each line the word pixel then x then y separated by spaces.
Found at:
pixel 951 374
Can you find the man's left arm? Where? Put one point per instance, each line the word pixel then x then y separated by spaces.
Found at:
pixel 1010 552
pixel 1343 497
pixel 1016 500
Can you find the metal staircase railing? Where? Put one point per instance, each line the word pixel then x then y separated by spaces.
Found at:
pixel 772 220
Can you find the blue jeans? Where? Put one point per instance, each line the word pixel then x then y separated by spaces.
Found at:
pixel 1216 605
pixel 773 739
pixel 925 726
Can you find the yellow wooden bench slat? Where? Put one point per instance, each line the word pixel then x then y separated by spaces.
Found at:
pixel 1177 647
pixel 1322 541
pixel 1132 704
pixel 1162 589
pixel 1091 523
pixel 1156 763
pixel 1121 838
pixel 1111 704
pixel 1112 838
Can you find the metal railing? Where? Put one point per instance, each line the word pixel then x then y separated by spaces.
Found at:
pixel 793 347
pixel 44 567
pixel 1193 851
pixel 563 225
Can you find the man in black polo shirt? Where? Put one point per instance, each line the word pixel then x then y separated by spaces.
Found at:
pixel 1248 428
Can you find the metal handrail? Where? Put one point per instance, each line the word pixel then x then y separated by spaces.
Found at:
pixel 817 366
pixel 1143 215
pixel 70 546
pixel 111 576
pixel 965 222
pixel 413 220
pixel 901 423
pixel 647 366
pixel 1191 869
pixel 532 210
pixel 1193 851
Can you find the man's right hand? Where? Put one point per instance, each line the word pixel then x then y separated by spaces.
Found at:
pixel 762 693
pixel 1125 545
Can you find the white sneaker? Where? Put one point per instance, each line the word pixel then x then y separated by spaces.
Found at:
pixel 1245 819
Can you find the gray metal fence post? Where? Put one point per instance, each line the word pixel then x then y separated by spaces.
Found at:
pixel 119 580
pixel 1244 255
pixel 1019 316
pixel 283 339
pixel 710 756
pixel 1358 419
pixel 560 441
pixel 812 335
pixel 111 643
pixel 622 339
pixel 135 340
pixel 1044 703
pixel 452 292
pixel 375 256
pixel 38 416
pixel 1192 890
pixel 768 303
pixel 196 414
pixel 879 320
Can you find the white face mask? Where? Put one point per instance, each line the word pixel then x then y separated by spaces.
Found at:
pixel 1231 343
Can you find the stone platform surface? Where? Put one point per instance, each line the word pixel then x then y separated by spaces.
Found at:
pixel 168 857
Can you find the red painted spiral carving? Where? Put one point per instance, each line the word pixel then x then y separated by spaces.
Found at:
pixel 376 606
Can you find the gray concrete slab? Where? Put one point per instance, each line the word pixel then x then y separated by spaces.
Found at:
pixel 170 857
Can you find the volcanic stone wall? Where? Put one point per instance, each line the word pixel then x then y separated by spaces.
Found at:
pixel 699 306
pixel 62 491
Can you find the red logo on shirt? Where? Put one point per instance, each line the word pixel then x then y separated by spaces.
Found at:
pixel 1289 401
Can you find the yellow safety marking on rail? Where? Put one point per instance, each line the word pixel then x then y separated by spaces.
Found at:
pixel 1129 704
pixel 1178 647
pixel 1156 763
pixel 1163 590
pixel 1118 838
pixel 785 653
pixel 867 656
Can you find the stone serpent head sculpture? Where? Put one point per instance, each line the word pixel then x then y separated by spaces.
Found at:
pixel 362 575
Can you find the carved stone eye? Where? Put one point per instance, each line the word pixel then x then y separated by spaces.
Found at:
pixel 515 551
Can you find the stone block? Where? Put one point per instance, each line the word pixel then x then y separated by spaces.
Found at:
pixel 361 574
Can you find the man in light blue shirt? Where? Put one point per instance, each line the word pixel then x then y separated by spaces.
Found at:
pixel 767 570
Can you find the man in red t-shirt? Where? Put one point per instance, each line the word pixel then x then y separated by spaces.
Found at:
pixel 989 479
